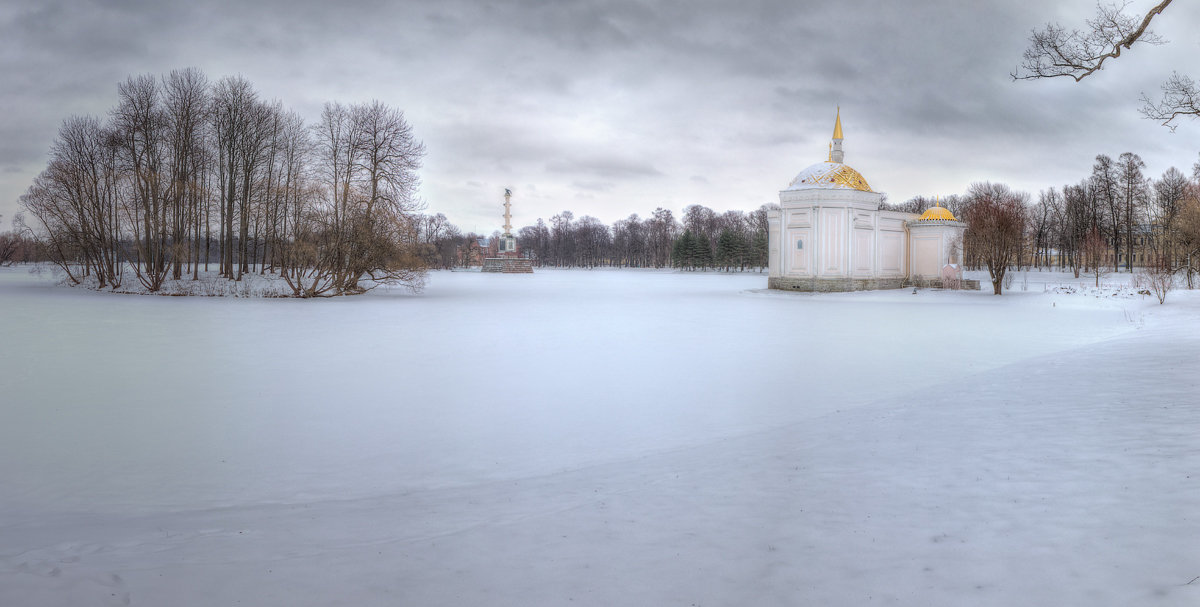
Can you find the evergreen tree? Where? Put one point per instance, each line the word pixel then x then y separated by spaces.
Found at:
pixel 733 251
pixel 741 249
pixel 702 255
pixel 758 251
pixel 683 254
pixel 726 249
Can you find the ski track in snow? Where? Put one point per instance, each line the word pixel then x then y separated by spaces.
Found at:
pixel 1049 461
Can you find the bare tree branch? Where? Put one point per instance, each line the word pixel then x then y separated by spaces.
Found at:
pixel 1055 52
pixel 1180 97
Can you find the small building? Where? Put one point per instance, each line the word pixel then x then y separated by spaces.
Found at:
pixel 935 245
pixel 475 250
pixel 830 234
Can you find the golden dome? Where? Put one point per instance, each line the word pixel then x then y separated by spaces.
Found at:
pixel 936 213
pixel 829 176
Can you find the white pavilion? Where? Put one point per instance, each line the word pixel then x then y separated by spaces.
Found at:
pixel 830 234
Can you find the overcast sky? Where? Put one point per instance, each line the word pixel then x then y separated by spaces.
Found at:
pixel 608 108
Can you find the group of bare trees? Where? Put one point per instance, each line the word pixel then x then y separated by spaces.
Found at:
pixel 184 172
pixel 1114 219
pixel 1119 218
pixel 730 240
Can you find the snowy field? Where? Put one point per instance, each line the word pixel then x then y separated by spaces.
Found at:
pixel 600 438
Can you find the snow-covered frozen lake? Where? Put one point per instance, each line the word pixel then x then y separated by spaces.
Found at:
pixel 599 438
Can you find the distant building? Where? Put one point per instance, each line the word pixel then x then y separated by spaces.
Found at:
pixel 829 234
pixel 474 251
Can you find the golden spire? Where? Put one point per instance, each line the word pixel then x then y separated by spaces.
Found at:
pixel 830 153
pixel 837 125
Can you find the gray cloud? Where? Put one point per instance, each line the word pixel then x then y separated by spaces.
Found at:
pixel 593 186
pixel 603 166
pixel 617 106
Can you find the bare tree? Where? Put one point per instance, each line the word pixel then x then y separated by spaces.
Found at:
pixel 242 129
pixel 561 241
pixel 996 220
pixel 438 240
pixel 76 202
pixel 592 241
pixel 1161 278
pixel 1077 219
pixel 629 242
pixel 1187 235
pixel 10 248
pixel 1170 192
pixel 140 125
pixel 383 230
pixel 1105 186
pixel 253 152
pixel 534 240
pixel 364 222
pixel 9 245
pixel 1133 195
pixel 1095 248
pixel 335 145
pixel 1040 219
pixel 662 229
pixel 186 108
pixel 294 233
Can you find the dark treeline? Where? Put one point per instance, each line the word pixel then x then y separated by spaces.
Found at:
pixel 185 172
pixel 17 246
pixel 1115 218
pixel 701 239
pixel 704 239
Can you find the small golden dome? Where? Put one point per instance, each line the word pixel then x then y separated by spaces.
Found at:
pixel 936 213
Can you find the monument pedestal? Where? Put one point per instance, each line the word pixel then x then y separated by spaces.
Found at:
pixel 508 265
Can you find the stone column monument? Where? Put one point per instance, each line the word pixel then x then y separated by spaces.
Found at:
pixel 508 243
pixel 508 260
